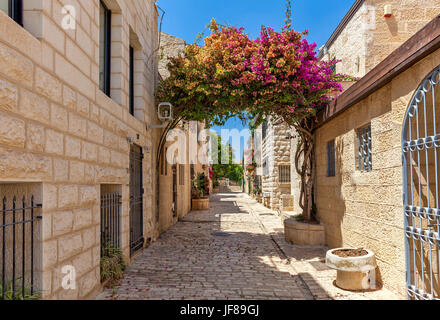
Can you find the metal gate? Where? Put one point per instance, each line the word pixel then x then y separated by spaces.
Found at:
pixel 174 190
pixel 421 174
pixel 136 200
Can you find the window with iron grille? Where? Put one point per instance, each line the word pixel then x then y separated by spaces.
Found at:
pixel 181 174
pixel 13 8
pixel 364 156
pixel 331 165
pixel 284 174
pixel 20 219
pixel 110 219
pixel 333 67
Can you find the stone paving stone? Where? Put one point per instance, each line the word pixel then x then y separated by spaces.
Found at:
pixel 309 262
pixel 191 261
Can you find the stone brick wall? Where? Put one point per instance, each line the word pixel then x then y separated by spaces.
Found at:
pixel 170 46
pixel 276 149
pixel 183 204
pixel 365 209
pixel 60 130
pixel 370 37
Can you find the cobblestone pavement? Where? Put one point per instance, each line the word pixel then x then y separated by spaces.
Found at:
pixel 234 251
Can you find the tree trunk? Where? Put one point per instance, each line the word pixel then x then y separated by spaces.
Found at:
pixel 305 166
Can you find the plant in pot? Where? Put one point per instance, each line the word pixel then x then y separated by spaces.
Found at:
pixel 200 190
pixel 356 268
pixel 303 231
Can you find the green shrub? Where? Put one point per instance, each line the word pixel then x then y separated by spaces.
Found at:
pixel 112 265
pixel 18 295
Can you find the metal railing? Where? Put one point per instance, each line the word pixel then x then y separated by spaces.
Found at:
pixel 18 227
pixel 110 221
pixel 365 163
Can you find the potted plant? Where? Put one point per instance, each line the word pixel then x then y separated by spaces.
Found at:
pixel 302 232
pixel 356 268
pixel 200 190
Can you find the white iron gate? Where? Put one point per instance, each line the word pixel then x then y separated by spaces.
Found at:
pixel 421 174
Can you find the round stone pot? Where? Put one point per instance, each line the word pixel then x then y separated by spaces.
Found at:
pixel 200 204
pixel 354 273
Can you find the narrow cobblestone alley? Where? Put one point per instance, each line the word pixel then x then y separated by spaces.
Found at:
pixel 233 251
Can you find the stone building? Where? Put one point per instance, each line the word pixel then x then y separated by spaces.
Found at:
pixel 178 170
pixel 170 46
pixel 251 179
pixel 77 81
pixel 274 151
pixel 359 142
pixel 364 37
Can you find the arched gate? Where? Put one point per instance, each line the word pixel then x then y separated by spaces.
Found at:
pixel 421 174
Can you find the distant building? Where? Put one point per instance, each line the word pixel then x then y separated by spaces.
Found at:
pixel 273 150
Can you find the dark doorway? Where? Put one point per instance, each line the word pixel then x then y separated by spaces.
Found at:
pixel 136 200
pixel 174 190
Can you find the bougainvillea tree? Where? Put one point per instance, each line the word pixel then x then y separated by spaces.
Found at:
pixel 276 76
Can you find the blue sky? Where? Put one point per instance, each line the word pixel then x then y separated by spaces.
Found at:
pixel 186 18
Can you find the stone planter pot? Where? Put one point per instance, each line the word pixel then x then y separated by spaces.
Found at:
pixel 354 273
pixel 200 204
pixel 304 234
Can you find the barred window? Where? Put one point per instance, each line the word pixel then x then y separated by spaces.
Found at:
pixel 331 166
pixel 364 161
pixel 181 174
pixel 333 67
pixel 284 174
